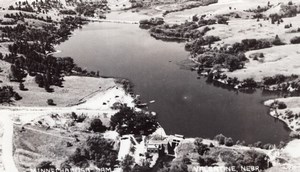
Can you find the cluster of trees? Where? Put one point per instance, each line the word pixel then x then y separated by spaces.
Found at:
pixel 278 104
pixel 187 30
pixel 231 62
pixel 229 57
pixel 201 148
pixel 17 72
pixel 190 6
pixel 22 6
pixel 249 83
pixel 260 9
pixel 127 163
pixel 127 121
pixel 248 45
pixel 277 79
pixel 21 16
pixel 295 40
pixel 7 93
pixel 45 166
pixel 196 46
pixel 95 150
pixel 47 34
pixel 222 140
pixel 246 158
pixel 146 24
pixel 89 9
pixel 289 10
pixel 30 48
pixel 203 22
pixel 67 12
pixel 46 69
pixel 275 18
pixel 180 166
pixel 44 5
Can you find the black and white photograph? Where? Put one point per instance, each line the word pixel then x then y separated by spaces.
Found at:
pixel 149 85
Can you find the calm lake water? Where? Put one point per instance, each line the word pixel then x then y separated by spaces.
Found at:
pixel 185 105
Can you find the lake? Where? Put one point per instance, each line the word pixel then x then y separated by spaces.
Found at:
pixel 184 104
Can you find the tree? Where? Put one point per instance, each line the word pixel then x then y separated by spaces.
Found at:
pixel 277 41
pixel 206 161
pixel 17 96
pixel 50 102
pixel 39 80
pixel 127 163
pixel 17 73
pixel 138 168
pixel 201 148
pixel 228 141
pixel 249 83
pixel 198 141
pixel 178 167
pixel 281 105
pixel 258 144
pixel 195 18
pixel 6 93
pixel 45 165
pixel 21 86
pixel 97 126
pixel 220 138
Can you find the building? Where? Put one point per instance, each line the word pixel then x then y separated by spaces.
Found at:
pixel 164 145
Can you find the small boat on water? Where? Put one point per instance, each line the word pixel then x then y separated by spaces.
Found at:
pixel 152 101
pixel 141 105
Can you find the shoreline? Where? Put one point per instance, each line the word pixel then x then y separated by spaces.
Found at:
pixel 287 115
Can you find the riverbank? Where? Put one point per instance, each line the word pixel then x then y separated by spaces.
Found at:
pixel 286 110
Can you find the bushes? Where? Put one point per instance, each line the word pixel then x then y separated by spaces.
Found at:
pixel 200 147
pixel 258 144
pixel 97 126
pixel 17 96
pixel 231 62
pixel 220 138
pixel 295 134
pixel 222 20
pixel 45 166
pixel 277 79
pixel 68 12
pixel 228 141
pixel 22 87
pixel 254 158
pixel 281 105
pixel 241 159
pixel 50 102
pixel 295 40
pixel 249 83
pixel 127 163
pixel 277 41
pixel 206 160
pixel 7 93
pixel 146 24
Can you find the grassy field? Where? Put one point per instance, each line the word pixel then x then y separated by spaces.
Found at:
pixel 32 147
pixel 74 89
